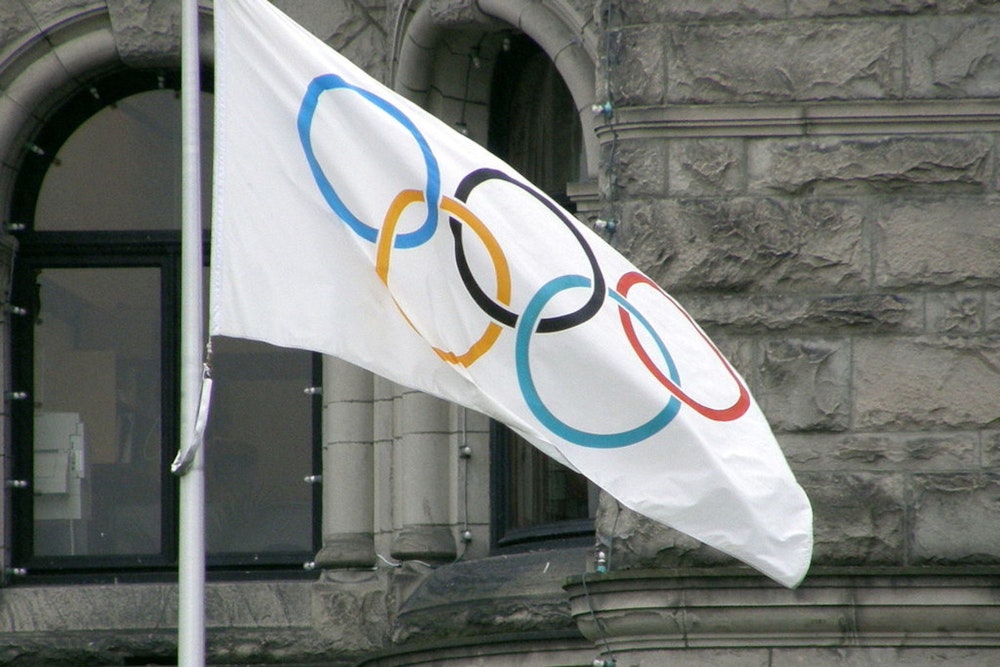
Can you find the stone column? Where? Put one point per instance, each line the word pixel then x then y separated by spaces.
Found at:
pixel 348 473
pixel 422 480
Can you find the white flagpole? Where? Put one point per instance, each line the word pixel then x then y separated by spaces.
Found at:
pixel 191 562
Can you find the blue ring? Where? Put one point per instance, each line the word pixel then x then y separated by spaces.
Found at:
pixel 525 329
pixel 307 112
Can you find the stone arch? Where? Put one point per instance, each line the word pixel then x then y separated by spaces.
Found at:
pixel 42 67
pixel 421 31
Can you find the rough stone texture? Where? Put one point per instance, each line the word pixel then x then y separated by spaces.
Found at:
pixel 991 449
pixel 22 19
pixel 691 10
pixel 851 656
pixel 359 595
pixel 859 518
pixel 991 316
pixel 806 384
pixel 707 167
pixel 938 242
pixel 744 243
pixel 147 32
pixel 871 164
pixel 953 57
pixel 955 518
pixel 869 313
pixel 956 313
pixel 637 67
pixel 492 596
pixel 632 541
pixel 636 168
pixel 808 8
pixel 349 26
pixel 883 452
pixel 740 62
pixel 926 383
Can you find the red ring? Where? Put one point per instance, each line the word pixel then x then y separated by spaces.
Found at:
pixel 734 411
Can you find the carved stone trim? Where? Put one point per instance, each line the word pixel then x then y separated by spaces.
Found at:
pixel 803 119
pixel 641 611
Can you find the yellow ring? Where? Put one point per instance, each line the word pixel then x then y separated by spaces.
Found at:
pixel 455 208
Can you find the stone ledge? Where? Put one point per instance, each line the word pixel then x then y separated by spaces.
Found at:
pixel 795 119
pixel 642 610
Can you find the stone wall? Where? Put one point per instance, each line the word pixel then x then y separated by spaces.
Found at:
pixel 817 183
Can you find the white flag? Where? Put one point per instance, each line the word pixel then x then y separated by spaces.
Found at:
pixel 349 221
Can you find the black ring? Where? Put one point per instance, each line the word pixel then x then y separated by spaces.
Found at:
pixel 491 307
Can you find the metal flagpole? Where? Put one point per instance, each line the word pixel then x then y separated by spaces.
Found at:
pixel 191 563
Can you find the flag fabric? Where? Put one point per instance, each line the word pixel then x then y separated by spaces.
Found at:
pixel 351 222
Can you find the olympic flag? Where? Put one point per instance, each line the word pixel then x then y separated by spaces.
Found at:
pixel 351 222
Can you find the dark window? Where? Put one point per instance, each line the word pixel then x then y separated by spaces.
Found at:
pixel 534 127
pixel 97 354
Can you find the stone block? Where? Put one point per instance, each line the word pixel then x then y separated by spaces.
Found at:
pixel 839 165
pixel 958 313
pixel 635 168
pixel 359 596
pixel 15 24
pixel 899 656
pixel 696 10
pixel 882 452
pixel 926 382
pixel 991 311
pixel 423 413
pixel 955 518
pixel 953 57
pixel 147 32
pixel 952 241
pixel 706 166
pixel 745 243
pixel 991 449
pixel 805 384
pixel 370 51
pixel 635 72
pixel 635 541
pixel 786 60
pixel 18 19
pixel 858 517
pixel 807 313
pixel 827 8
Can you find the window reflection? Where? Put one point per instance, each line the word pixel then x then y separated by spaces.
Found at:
pixel 97 412
pixel 122 168
pixel 258 449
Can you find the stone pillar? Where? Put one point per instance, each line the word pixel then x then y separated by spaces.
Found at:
pixel 422 479
pixel 348 472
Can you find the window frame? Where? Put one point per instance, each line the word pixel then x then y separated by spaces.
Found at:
pixel 158 249
pixel 509 67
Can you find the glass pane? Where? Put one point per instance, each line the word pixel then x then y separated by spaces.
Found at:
pixel 121 169
pixel 543 491
pixel 97 412
pixel 258 450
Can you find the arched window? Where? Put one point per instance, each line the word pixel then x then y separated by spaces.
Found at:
pixel 535 128
pixel 97 355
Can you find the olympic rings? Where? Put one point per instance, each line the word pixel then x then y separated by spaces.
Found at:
pixel 307 113
pixel 497 306
pixel 734 411
pixel 526 327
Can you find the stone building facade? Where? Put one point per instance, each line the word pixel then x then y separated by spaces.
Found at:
pixel 815 180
